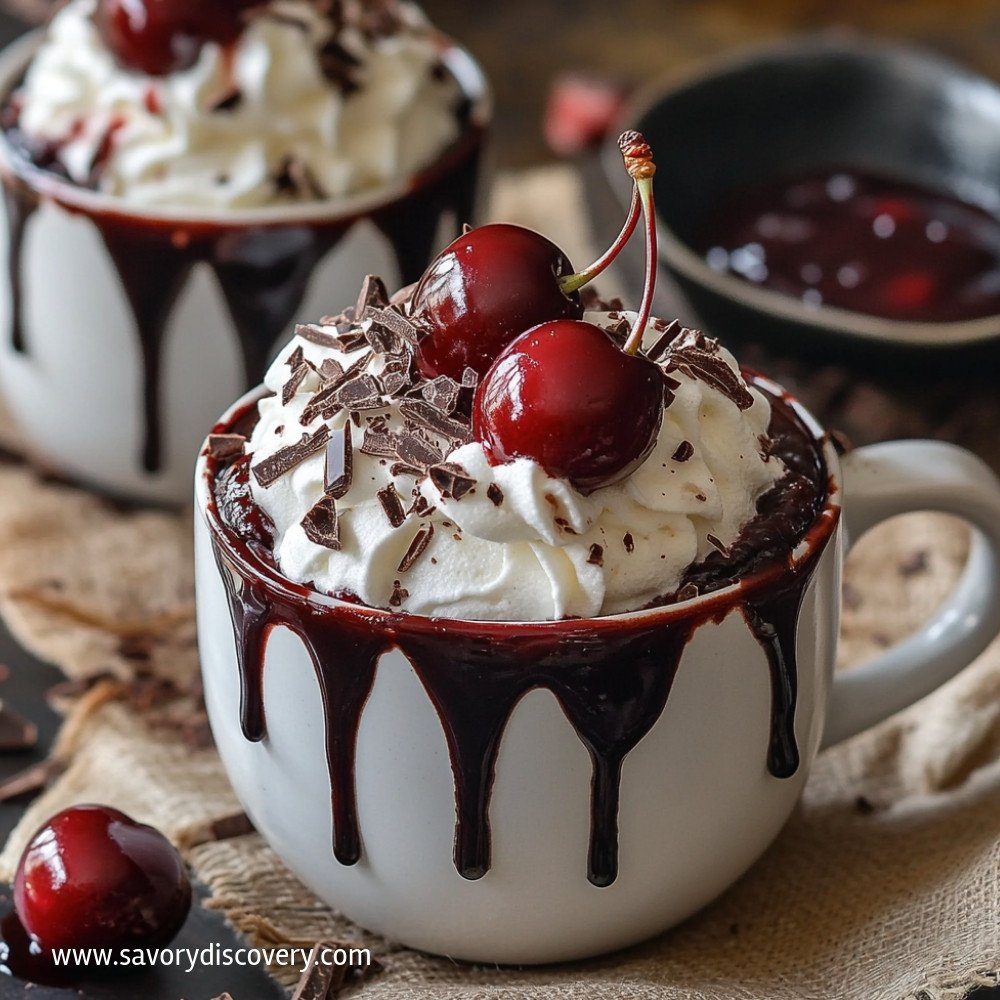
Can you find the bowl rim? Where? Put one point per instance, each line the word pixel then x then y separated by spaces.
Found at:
pixel 712 605
pixel 464 68
pixel 681 258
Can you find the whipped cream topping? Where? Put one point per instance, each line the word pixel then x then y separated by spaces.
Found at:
pixel 428 526
pixel 248 124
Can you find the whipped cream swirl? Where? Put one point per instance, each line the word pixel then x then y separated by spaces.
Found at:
pixel 460 538
pixel 248 124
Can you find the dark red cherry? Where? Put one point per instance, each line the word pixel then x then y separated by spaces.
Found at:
pixel 92 877
pixel 163 36
pixel 483 290
pixel 566 395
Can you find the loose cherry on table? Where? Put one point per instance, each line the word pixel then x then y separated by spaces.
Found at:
pixel 92 877
pixel 489 286
pixel 567 395
pixel 164 36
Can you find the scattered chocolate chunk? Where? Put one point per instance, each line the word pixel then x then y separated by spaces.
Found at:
pixel 629 542
pixel 269 470
pixel 392 505
pixel 421 506
pixel 402 469
pixel 228 827
pixel 452 480
pixel 413 449
pixel 495 494
pixel 295 358
pixel 399 594
pixel 331 371
pixel 291 386
pixel 470 378
pixel 317 335
pixel 322 525
pixel 428 416
pixel 442 394
pixel 700 497
pixel 339 472
pixel 373 295
pixel 417 547
pixel 225 446
pixel 915 563
pixel 596 557
pixel 683 451
pixel 379 444
pixel 360 393
pixel 16 733
pixel 718 543
pixel 659 348
pixel 32 779
pixel 688 592
pixel 395 322
pixel 394 382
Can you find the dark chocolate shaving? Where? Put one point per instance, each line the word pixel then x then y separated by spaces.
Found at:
pixel 412 449
pixel 392 505
pixel 596 556
pixel 360 393
pixel 402 469
pixel 395 322
pixel 319 981
pixel 394 382
pixel 495 494
pixel 291 387
pixel 718 543
pixel 222 447
pixel 662 343
pixel 331 371
pixel 373 295
pixel 295 358
pixel 452 481
pixel 380 444
pixel 688 592
pixel 16 733
pixel 317 335
pixel 339 474
pixel 442 394
pixel 423 413
pixel 711 369
pixel 683 451
pixel 269 470
pixel 322 524
pixel 417 547
pixel 629 542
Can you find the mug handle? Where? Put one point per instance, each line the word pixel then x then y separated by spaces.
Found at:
pixel 881 481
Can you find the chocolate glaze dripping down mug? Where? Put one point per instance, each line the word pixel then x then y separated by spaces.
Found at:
pixel 453 786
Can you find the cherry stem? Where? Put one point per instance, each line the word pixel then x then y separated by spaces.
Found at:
pixel 571 282
pixel 639 162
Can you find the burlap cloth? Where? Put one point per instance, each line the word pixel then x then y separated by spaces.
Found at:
pixel 883 885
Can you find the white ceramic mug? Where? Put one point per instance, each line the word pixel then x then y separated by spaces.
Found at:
pixel 698 801
pixel 91 402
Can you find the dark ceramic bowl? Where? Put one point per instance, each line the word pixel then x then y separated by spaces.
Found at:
pixel 811 103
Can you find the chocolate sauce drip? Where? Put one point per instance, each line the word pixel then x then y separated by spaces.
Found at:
pixel 263 271
pixel 611 678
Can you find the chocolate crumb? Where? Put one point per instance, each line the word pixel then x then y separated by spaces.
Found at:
pixel 596 557
pixel 683 452
pixel 452 480
pixel 399 594
pixel 225 446
pixel 629 542
pixel 339 473
pixel 700 497
pixel 392 505
pixel 495 494
pixel 322 524
pixel 417 547
pixel 688 592
pixel 269 470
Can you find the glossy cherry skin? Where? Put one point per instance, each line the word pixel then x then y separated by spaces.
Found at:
pixel 483 290
pixel 164 36
pixel 92 877
pixel 566 395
